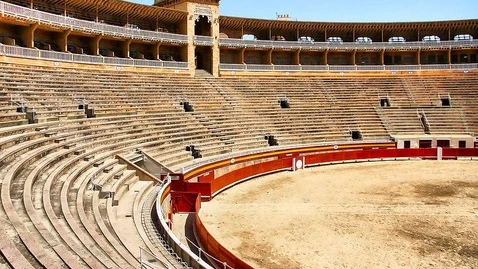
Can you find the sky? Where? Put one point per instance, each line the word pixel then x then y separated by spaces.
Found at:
pixel 350 10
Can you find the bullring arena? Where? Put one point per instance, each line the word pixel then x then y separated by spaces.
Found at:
pixel 169 136
pixel 414 214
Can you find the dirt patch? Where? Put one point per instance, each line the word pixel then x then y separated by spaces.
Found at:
pixel 470 251
pixel 418 214
pixel 263 255
pixel 435 191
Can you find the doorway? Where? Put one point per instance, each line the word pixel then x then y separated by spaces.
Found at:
pixel 425 144
pixel 203 58
pixel 443 143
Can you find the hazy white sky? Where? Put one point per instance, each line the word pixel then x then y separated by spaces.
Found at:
pixel 350 10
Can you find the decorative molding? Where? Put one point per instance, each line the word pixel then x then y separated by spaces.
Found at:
pixel 202 10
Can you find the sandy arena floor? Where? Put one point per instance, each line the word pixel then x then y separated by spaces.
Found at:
pixel 420 214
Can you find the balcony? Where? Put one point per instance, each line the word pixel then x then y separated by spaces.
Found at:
pixel 203 40
pixel 14 51
pixel 32 15
pixel 343 68
pixel 321 46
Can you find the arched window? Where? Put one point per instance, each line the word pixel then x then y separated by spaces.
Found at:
pixel 249 37
pixel 335 39
pixel 431 38
pixel 464 37
pixel 396 39
pixel 363 40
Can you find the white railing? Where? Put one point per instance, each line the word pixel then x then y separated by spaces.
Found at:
pixel 233 66
pixel 464 66
pixel 181 250
pixel 176 65
pixel 344 68
pixel 314 67
pixel 23 13
pixel 87 58
pixel 369 67
pixel 260 67
pixel 434 66
pixel 203 40
pixel 14 51
pixel 403 67
pixel 150 261
pixel 287 67
pixel 232 42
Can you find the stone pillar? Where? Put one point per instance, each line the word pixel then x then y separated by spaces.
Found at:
pixel 125 48
pixel 268 59
pixel 449 55
pixel 28 35
pixel 191 48
pixel 241 57
pixel 419 57
pixel 215 53
pixel 95 45
pixel 62 41
pixel 326 57
pixel 156 47
pixel 297 57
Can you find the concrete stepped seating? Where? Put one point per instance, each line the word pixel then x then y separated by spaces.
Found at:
pixel 64 196
pixel 60 142
pixel 84 208
pixel 120 214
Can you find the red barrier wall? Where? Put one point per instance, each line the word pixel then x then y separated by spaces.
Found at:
pixel 369 154
pixel 206 177
pixel 249 171
pixel 282 153
pixel 204 188
pixel 184 202
pixel 213 247
pixel 469 152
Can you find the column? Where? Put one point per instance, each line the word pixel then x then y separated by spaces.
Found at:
pixel 28 35
pixel 62 41
pixel 125 48
pixel 296 57
pixel 95 45
pixel 241 58
pixel 268 58
pixel 156 47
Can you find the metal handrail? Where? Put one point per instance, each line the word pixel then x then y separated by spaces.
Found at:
pixel 234 42
pixel 345 68
pixel 34 53
pixel 203 40
pixel 172 238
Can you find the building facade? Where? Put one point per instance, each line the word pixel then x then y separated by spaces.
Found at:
pixel 189 34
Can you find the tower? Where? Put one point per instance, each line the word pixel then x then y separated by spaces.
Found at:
pixel 202 29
